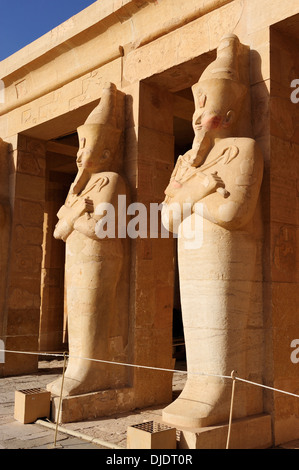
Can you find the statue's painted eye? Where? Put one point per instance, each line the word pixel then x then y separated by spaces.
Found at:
pixel 82 142
pixel 202 100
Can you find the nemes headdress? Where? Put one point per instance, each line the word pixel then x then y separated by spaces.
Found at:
pixel 105 112
pixel 106 122
pixel 226 65
pixel 226 69
pixel 103 129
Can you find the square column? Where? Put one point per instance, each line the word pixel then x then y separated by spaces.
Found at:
pixel 148 165
pixel 22 309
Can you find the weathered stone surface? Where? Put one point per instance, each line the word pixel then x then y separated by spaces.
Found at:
pixel 159 50
pixel 217 269
pixel 96 270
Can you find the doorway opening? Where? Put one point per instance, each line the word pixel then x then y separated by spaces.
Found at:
pixel 60 172
pixel 179 80
pixel 183 137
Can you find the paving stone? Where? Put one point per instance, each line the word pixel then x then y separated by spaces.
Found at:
pixel 15 435
pixel 113 429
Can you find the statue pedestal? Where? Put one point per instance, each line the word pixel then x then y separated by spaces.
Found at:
pixel 253 432
pixel 92 405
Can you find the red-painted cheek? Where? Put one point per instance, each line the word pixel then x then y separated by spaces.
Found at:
pixel 212 122
pixel 88 164
pixel 176 184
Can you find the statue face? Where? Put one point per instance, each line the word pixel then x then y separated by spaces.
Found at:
pixel 94 152
pixel 217 105
pixel 211 107
pixel 90 160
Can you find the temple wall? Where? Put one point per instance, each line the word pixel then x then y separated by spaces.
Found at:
pixel 151 50
pixel 284 219
pixel 21 313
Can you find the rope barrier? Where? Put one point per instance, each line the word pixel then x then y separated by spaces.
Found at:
pixel 60 398
pixel 266 386
pixel 118 363
pixel 152 368
pixel 233 377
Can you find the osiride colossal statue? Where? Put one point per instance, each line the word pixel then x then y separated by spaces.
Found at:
pixel 214 189
pixel 96 267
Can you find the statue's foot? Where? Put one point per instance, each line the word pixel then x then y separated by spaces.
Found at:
pixel 55 385
pixel 199 405
pixel 192 414
pixel 80 381
pixel 70 387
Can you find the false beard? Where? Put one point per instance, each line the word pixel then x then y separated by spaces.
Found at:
pixel 81 180
pixel 200 147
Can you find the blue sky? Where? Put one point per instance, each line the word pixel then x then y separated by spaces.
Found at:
pixel 23 21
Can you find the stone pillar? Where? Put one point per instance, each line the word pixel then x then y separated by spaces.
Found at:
pixel 22 312
pixel 283 244
pixel 149 160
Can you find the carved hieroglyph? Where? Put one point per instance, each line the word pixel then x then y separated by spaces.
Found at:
pixel 219 180
pixel 96 269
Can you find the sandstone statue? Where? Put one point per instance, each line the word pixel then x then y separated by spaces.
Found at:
pixel 215 189
pixel 96 267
